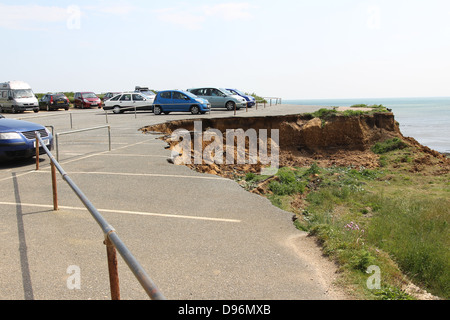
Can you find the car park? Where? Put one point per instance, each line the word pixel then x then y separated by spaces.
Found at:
pixel 17 96
pixel 179 101
pixel 251 101
pixel 220 98
pixel 86 100
pixel 54 101
pixel 18 139
pixel 109 95
pixel 129 101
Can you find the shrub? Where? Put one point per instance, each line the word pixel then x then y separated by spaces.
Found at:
pixel 389 145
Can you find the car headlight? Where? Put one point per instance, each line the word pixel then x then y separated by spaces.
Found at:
pixel 10 136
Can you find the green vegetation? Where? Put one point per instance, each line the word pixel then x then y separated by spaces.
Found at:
pixel 258 98
pixel 327 114
pixel 387 217
pixel 389 145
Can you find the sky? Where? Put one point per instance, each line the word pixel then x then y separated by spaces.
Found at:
pixel 321 49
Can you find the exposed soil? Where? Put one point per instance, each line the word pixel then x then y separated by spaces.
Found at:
pixel 303 140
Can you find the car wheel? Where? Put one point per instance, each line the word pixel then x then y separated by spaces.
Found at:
pixel 117 110
pixel 195 110
pixel 157 110
pixel 230 105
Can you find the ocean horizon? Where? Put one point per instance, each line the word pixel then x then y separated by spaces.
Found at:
pixel 425 119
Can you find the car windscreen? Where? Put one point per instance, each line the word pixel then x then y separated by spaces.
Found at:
pixel 23 94
pixel 59 96
pixel 225 91
pixel 238 92
pixel 190 95
pixel 89 95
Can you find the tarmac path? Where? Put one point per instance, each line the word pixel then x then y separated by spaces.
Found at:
pixel 198 236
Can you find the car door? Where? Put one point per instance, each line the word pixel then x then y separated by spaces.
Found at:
pixel 126 102
pixel 179 101
pixel 43 101
pixel 165 101
pixel 218 99
pixel 206 93
pixel 140 102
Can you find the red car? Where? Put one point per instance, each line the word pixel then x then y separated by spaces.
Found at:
pixel 86 100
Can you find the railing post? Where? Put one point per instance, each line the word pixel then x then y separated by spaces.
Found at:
pixel 37 152
pixel 54 187
pixel 113 269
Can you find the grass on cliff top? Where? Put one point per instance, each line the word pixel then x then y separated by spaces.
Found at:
pixel 388 217
pixel 327 114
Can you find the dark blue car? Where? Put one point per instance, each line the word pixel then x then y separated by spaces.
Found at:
pixel 17 138
pixel 179 101
pixel 251 101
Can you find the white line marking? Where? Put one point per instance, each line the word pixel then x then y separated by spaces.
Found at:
pixel 133 155
pixel 139 175
pixel 123 212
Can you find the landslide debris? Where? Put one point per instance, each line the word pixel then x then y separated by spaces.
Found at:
pixel 333 140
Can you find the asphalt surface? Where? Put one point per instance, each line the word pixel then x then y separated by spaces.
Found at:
pixel 198 236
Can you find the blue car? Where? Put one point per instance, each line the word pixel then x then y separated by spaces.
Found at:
pixel 18 139
pixel 179 101
pixel 251 101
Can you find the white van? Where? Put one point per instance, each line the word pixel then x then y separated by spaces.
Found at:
pixel 17 96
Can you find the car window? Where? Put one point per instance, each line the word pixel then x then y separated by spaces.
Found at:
pixel 178 95
pixel 165 95
pixel 116 98
pixel 216 93
pixel 126 97
pixel 138 97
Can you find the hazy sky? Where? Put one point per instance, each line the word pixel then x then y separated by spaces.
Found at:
pixel 288 49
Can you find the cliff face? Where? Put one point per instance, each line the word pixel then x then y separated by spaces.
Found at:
pixel 301 132
pixel 339 141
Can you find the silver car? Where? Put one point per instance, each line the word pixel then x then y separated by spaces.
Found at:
pixel 220 98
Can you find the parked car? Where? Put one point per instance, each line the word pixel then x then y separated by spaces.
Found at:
pixel 86 100
pixel 18 139
pixel 251 101
pixel 179 101
pixel 128 101
pixel 17 96
pixel 109 95
pixel 54 101
pixel 145 91
pixel 220 98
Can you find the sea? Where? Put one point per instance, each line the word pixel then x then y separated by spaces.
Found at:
pixel 425 119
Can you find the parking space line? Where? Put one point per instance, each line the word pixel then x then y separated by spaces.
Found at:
pixel 133 155
pixel 140 175
pixel 150 214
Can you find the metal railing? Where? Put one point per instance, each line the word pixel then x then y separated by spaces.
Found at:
pixel 112 241
pixel 57 135
pixel 70 114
